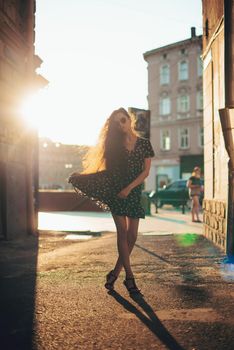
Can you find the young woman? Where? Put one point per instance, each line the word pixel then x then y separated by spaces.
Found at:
pixel 114 172
pixel 195 187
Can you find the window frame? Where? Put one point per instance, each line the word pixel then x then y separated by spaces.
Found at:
pixel 199 66
pixel 181 72
pixel 182 137
pixel 201 136
pixel 181 103
pixel 164 110
pixel 199 100
pixel 165 76
pixel 162 139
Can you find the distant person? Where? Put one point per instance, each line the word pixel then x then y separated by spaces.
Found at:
pixel 114 172
pixel 195 188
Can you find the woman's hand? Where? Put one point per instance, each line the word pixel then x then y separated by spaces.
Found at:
pixel 124 192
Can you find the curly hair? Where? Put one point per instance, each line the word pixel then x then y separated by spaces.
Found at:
pixel 107 154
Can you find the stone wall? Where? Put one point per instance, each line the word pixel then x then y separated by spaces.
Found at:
pixel 215 155
pixel 215 221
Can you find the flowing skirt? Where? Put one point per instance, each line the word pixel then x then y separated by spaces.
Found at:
pixel 103 189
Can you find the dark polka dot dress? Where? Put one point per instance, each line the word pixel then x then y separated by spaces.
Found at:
pixel 103 187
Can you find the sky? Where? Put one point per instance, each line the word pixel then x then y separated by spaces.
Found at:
pixel 92 52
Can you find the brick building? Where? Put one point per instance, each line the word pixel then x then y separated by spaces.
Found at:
pixel 175 102
pixel 218 61
pixel 18 145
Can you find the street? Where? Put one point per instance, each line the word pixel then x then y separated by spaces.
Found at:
pixel 102 108
pixel 54 296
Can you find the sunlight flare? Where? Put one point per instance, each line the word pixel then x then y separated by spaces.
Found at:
pixel 32 109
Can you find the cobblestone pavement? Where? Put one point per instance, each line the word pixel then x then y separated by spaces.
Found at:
pixel 52 295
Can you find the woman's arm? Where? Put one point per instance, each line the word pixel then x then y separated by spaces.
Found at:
pixel 139 180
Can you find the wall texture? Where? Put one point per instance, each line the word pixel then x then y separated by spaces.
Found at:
pixel 18 144
pixel 215 81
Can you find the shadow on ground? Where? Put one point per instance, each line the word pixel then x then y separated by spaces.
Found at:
pixel 152 321
pixel 18 262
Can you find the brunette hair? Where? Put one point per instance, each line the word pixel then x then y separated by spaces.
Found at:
pixel 107 154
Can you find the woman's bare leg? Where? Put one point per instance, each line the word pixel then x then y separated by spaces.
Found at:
pixel 132 231
pixel 122 243
pixel 193 209
pixel 196 206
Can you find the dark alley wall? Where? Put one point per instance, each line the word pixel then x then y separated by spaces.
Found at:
pixel 18 144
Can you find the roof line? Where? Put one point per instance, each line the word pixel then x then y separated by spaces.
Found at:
pixel 169 46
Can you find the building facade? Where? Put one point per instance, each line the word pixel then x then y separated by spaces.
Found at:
pixel 18 144
pixel 175 101
pixel 56 162
pixel 218 62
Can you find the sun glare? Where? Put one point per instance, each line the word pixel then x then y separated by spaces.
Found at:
pixel 63 115
pixel 59 116
pixel 30 110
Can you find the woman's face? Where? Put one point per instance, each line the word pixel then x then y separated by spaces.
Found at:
pixel 123 121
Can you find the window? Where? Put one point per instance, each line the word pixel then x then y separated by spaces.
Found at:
pixel 68 166
pixel 183 51
pixel 183 70
pixel 173 186
pixel 201 136
pixel 182 184
pixel 199 100
pixel 183 103
pixel 183 138
pixel 164 106
pixel 165 74
pixel 199 66
pixel 165 140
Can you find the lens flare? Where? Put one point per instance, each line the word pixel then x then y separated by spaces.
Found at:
pixel 227 269
pixel 30 110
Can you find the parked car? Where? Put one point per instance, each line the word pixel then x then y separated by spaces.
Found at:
pixel 176 194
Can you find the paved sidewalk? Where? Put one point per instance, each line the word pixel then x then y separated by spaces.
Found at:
pixel 52 295
pixel 166 221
